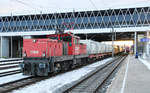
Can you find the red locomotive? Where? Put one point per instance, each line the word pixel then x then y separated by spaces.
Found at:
pixel 54 53
pixel 54 45
pixel 58 52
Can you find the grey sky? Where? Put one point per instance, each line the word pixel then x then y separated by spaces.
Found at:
pixel 50 6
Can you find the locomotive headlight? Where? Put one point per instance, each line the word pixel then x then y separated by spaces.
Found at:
pixel 42 65
pixel 43 55
pixel 34 41
pixel 24 54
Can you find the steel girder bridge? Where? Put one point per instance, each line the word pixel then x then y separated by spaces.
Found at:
pixel 98 21
pixel 81 22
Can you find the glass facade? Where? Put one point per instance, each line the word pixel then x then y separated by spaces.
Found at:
pixel 117 18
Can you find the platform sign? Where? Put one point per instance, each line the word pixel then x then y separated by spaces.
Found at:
pixel 145 39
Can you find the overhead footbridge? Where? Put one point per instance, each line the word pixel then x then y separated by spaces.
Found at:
pixel 98 21
pixel 126 21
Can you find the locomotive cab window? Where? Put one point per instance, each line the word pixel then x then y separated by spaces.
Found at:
pixel 76 41
pixel 54 38
pixel 66 38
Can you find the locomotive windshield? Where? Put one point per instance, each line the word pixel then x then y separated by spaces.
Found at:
pixel 54 38
pixel 62 37
pixel 66 38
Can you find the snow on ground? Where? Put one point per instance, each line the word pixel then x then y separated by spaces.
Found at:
pixel 9 65
pixel 54 83
pixel 145 62
pixel 10 78
pixel 11 69
pixel 11 62
pixel 1 59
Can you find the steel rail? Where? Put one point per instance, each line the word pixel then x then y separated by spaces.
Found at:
pixel 7 73
pixel 7 60
pixel 8 67
pixel 4 64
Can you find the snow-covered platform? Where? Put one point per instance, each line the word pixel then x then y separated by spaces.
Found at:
pixel 148 59
pixel 133 77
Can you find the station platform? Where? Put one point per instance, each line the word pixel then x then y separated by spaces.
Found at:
pixel 132 77
pixel 148 59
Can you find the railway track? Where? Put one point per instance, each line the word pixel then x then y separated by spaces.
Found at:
pixel 10 67
pixel 7 73
pixel 10 63
pixel 8 60
pixel 94 81
pixel 8 87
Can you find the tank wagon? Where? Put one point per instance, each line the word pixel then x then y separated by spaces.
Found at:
pixel 59 52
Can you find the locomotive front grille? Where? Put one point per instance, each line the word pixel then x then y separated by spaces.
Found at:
pixel 35 67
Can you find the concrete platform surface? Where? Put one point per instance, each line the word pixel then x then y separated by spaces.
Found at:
pixel 148 59
pixel 133 77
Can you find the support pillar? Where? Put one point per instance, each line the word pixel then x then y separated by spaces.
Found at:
pixel 11 48
pixel 135 45
pixel 1 47
pixel 147 44
pixel 4 47
pixel 19 48
pixel 112 42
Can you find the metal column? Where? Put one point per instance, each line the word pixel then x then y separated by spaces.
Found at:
pixel 19 48
pixel 1 47
pixel 11 47
pixel 112 42
pixel 135 47
pixel 86 36
pixel 147 44
pixel 55 21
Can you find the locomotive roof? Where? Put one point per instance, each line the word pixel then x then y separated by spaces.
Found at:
pixel 64 34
